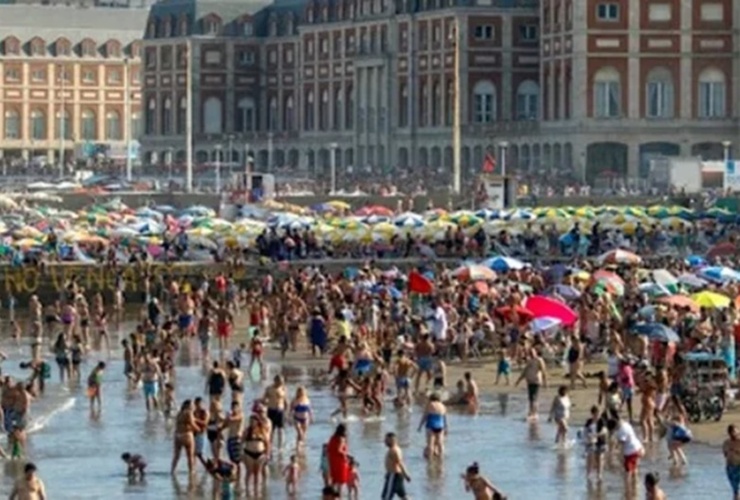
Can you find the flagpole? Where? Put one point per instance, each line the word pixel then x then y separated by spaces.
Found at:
pixel 189 120
pixel 456 118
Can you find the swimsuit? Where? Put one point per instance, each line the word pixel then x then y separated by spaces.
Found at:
pixel 212 430
pixel 223 328
pixel 235 386
pixel 425 363
pixel 233 448
pixel 302 409
pixel 435 422
pixel 733 475
pixel 200 443
pixel 363 366
pixel 216 384
pixel 150 388
pixel 184 321
pixel 402 382
pixel 277 417
pixel 254 455
pixel 504 367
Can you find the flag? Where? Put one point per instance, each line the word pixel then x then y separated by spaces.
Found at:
pixel 489 164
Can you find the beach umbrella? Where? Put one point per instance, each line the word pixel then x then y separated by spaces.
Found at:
pixel 473 272
pixel 518 214
pixel 565 291
pixel 465 218
pixel 409 219
pixel 619 256
pixel 339 205
pixel 503 264
pixel 418 283
pixel 718 213
pixel 376 219
pixel 675 223
pixel 488 214
pixel 542 306
pixel 435 214
pixel 656 332
pixel 437 230
pixel 544 323
pixel 148 213
pixel 552 213
pixel 711 300
pixel 653 289
pixel 679 301
pixel 718 274
pixel 584 212
pixel 692 281
pixel 199 211
pixel 695 261
pixel 665 278
pixel 722 250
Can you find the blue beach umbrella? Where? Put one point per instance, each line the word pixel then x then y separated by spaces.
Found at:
pixel 565 291
pixel 718 274
pixel 656 331
pixel 696 260
pixel 503 264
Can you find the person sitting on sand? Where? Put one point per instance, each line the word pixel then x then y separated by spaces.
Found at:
pixel 136 465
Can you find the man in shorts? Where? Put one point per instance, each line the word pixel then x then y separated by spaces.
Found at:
pixel 535 372
pixel 395 470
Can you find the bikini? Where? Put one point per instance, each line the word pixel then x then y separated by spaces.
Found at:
pixel 212 429
pixel 303 409
pixel 254 455
pixel 235 385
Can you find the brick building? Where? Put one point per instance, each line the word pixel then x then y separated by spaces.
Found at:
pixel 591 85
pixel 63 84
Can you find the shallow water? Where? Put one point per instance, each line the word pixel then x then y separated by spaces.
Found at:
pixel 78 456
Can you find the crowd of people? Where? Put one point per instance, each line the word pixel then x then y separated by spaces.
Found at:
pixel 386 338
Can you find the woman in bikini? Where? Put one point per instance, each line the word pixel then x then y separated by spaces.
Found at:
pixel 84 319
pixel 256 448
pixel 648 409
pixel 300 409
pixel 343 383
pixel 185 426
pixel 69 319
pixel 214 427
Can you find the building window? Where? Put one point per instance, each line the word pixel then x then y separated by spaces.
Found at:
pixel 12 75
pixel 63 125
pixel 88 129
pixel 529 32
pixel 245 116
pixel 88 48
pixel 247 28
pixel 324 111
pixel 38 125
pixel 136 76
pixel 151 117
pixel 88 76
pixel 309 116
pixel 211 26
pixel 449 102
pixel 309 48
pixel 182 115
pixel 246 58
pixel 527 100
pixel 272 114
pixel 659 12
pixel 712 94
pixel 436 34
pixel 607 93
pixel 167 116
pixel 136 125
pixel 289 117
pixel 11 46
pixel 338 108
pixel 324 45
pixel 113 126
pixel 213 57
pixel 288 56
pixel 484 102
pixel 607 12
pixel 12 124
pixel 114 76
pixel 150 58
pixel 437 105
pixel 213 114
pixel 349 108
pixel 113 49
pixel 712 12
pixel 659 94
pixel 38 75
pixel 272 56
pixel 483 32
pixel 38 48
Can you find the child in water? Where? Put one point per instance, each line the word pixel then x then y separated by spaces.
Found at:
pixel 504 366
pixel 135 464
pixel 353 486
pixel 479 485
pixel 95 386
pixel 291 474
pixel 168 399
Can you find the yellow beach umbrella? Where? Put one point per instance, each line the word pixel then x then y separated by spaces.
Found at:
pixel 711 300
pixel 339 205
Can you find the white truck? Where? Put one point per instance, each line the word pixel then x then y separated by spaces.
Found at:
pixel 678 174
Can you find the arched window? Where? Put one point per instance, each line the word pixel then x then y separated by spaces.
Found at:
pixel 527 100
pixel 484 102
pixel 151 116
pixel 38 125
pixel 182 115
pixel 88 127
pixel 309 117
pixel 659 93
pixel 349 107
pixel 338 108
pixel 211 25
pixel 136 125
pixel 113 126
pixel 63 125
pixel 289 118
pixel 712 94
pixel 607 93
pixel 424 105
pixel 245 115
pixel 167 116
pixel 12 124
pixel 324 110
pixel 213 116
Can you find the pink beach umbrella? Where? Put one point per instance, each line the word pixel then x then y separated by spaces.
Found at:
pixel 542 306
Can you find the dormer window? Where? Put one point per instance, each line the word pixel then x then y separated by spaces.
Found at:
pixel 38 47
pixel 166 28
pixel 310 14
pixel 11 46
pixel 87 48
pixel 289 27
pixel 135 50
pixel 151 29
pixel 113 49
pixel 247 28
pixel 63 48
pixel 273 26
pixel 183 26
pixel 211 25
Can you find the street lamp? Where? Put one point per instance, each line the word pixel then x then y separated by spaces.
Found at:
pixel 726 145
pixel 503 145
pixel 333 166
pixel 171 152
pixel 218 167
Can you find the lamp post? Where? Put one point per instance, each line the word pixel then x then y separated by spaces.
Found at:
pixel 61 120
pixel 333 166
pixel 726 150
pixel 171 152
pixel 218 167
pixel 503 145
pixel 457 114
pixel 127 120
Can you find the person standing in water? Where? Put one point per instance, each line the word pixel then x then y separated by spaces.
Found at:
pixel 404 370
pixel 652 490
pixel 435 419
pixel 95 387
pixel 479 485
pixel 396 474
pixel 185 426
pixel 151 375
pixel 276 400
pixel 560 413
pixel 535 372
pixel 731 451
pixel 30 486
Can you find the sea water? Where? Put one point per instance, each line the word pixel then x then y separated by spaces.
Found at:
pixel 78 455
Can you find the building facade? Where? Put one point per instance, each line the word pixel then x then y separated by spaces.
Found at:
pixel 373 81
pixel 70 78
pixel 595 86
